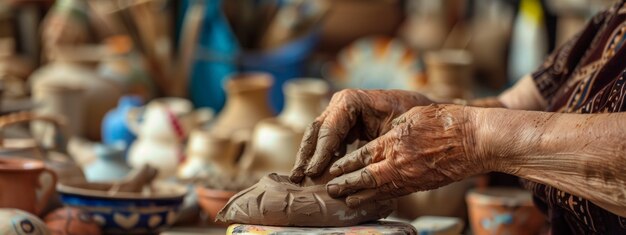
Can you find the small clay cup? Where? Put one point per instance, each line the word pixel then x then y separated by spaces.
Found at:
pixel 503 211
pixel 213 200
pixel 19 181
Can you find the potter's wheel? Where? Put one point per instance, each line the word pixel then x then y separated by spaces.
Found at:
pixel 380 227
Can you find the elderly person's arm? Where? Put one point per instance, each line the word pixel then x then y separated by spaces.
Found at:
pixel 429 147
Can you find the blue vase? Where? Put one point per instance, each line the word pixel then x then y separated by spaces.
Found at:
pixel 114 126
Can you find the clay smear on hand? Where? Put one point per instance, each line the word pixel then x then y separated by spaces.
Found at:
pixel 276 201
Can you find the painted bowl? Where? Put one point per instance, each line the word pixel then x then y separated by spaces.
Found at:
pixel 213 200
pixel 126 213
pixel 16 222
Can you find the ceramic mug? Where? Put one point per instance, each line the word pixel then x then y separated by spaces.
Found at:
pixel 20 181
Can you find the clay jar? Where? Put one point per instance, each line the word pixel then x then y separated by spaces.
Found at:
pixel 503 211
pixel 246 104
pixel 18 222
pixel 20 179
pixel 63 100
pixel 275 201
pixel 305 101
pixel 208 154
pixel 449 74
pixel 272 148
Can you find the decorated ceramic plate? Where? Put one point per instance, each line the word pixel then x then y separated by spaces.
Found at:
pixel 377 63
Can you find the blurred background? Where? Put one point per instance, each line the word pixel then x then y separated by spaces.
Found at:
pixel 217 92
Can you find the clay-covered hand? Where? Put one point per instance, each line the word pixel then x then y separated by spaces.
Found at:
pixel 428 147
pixel 351 115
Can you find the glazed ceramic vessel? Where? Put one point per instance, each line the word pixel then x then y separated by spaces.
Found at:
pixel 20 181
pixel 449 74
pixel 503 211
pixel 208 154
pixel 126 213
pixel 18 222
pixel 213 200
pixel 70 221
pixel 275 201
pixel 246 104
pixel 305 100
pixel 162 132
pixel 110 164
pixel 100 95
pixel 114 126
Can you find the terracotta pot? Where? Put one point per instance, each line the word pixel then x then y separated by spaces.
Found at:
pixel 208 154
pixel 503 211
pixel 69 220
pixel 272 148
pixel 20 179
pixel 449 74
pixel 100 95
pixel 212 201
pixel 247 104
pixel 305 100
pixel 275 201
pixel 18 222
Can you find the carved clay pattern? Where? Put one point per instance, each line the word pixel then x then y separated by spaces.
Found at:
pixel 276 201
pixel 594 85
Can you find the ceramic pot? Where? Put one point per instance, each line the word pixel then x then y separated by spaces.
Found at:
pixel 449 74
pixel 275 201
pixel 162 132
pixel 503 211
pixel 212 201
pixel 272 148
pixel 305 101
pixel 20 180
pixel 18 222
pixel 208 154
pixel 246 104
pixel 69 221
pixel 114 126
pixel 110 164
pixel 100 95
pixel 65 101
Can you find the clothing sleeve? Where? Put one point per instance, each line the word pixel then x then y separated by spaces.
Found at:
pixel 559 65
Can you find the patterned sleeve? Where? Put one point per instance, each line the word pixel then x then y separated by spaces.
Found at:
pixel 559 65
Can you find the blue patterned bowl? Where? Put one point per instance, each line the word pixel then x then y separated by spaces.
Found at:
pixel 126 213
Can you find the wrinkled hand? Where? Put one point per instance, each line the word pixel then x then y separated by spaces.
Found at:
pixel 351 115
pixel 428 147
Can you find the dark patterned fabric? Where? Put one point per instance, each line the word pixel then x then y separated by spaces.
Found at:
pixel 586 75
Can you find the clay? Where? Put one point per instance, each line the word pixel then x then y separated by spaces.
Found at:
pixel 71 221
pixel 23 186
pixel 276 201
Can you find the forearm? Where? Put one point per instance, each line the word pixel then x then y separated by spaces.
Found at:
pixel 583 154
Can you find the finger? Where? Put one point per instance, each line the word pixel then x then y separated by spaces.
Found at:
pixel 384 192
pixel 307 146
pixel 350 183
pixel 331 134
pixel 357 159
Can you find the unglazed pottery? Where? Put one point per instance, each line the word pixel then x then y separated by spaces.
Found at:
pixel 275 201
pixel 114 126
pixel 62 100
pixel 126 213
pixel 449 74
pixel 213 200
pixel 71 221
pixel 208 154
pixel 20 181
pixel 503 211
pixel 18 222
pixel 272 148
pixel 305 100
pixel 161 134
pixel 247 104
pixel 110 164
pixel 100 95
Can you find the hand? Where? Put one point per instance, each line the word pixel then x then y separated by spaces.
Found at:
pixel 351 115
pixel 427 148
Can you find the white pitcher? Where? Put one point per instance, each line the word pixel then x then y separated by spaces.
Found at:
pixel 164 126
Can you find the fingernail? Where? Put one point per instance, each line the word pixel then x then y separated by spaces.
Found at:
pixel 335 170
pixel 333 190
pixel 311 172
pixel 353 202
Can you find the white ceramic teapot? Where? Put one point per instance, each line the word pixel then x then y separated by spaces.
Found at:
pixel 161 133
